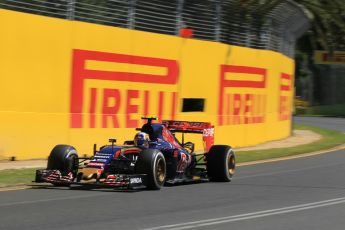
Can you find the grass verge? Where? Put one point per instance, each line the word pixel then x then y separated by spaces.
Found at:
pixel 330 138
pixel 11 177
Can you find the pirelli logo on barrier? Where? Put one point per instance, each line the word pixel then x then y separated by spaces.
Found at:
pixel 242 95
pixel 108 88
pixel 326 58
pixel 285 97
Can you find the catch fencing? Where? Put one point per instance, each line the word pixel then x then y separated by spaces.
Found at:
pixel 214 20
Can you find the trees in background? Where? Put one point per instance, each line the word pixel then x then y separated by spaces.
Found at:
pixel 321 84
pixel 328 26
pixel 327 32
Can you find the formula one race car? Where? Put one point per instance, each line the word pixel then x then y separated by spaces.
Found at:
pixel 155 157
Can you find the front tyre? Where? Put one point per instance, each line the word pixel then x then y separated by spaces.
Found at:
pixel 152 163
pixel 63 158
pixel 220 163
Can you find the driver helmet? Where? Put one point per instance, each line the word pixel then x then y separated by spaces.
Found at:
pixel 141 140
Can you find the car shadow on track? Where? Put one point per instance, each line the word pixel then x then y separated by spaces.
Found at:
pixel 100 189
pixel 84 188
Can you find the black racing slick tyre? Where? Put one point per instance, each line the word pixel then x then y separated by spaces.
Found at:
pixel 63 158
pixel 220 163
pixel 152 163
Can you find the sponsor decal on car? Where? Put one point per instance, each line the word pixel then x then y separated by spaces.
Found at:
pixel 103 157
pixel 136 180
pixel 95 164
pixel 208 132
pixel 100 160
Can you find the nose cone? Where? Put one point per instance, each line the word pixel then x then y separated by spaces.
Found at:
pixel 89 173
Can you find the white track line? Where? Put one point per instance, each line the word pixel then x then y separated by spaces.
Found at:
pixel 302 155
pixel 248 216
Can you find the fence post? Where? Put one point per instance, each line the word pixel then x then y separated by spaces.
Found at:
pixel 179 19
pixel 218 27
pixel 131 14
pixel 268 41
pixel 71 9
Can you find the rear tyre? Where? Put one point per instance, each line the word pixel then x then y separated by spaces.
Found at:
pixel 220 163
pixel 152 163
pixel 63 158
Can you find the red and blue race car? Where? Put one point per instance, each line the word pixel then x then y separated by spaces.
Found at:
pixel 154 158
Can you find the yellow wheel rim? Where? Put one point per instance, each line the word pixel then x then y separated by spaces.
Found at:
pixel 231 164
pixel 160 171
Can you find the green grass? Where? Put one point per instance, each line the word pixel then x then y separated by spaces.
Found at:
pixel 330 138
pixel 11 177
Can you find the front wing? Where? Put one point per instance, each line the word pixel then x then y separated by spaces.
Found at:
pixel 123 181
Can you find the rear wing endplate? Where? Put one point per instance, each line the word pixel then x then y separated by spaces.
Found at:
pixel 204 128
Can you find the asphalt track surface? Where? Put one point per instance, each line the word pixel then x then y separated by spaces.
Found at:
pixel 323 122
pixel 305 193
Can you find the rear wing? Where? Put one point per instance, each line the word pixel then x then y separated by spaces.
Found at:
pixel 204 128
